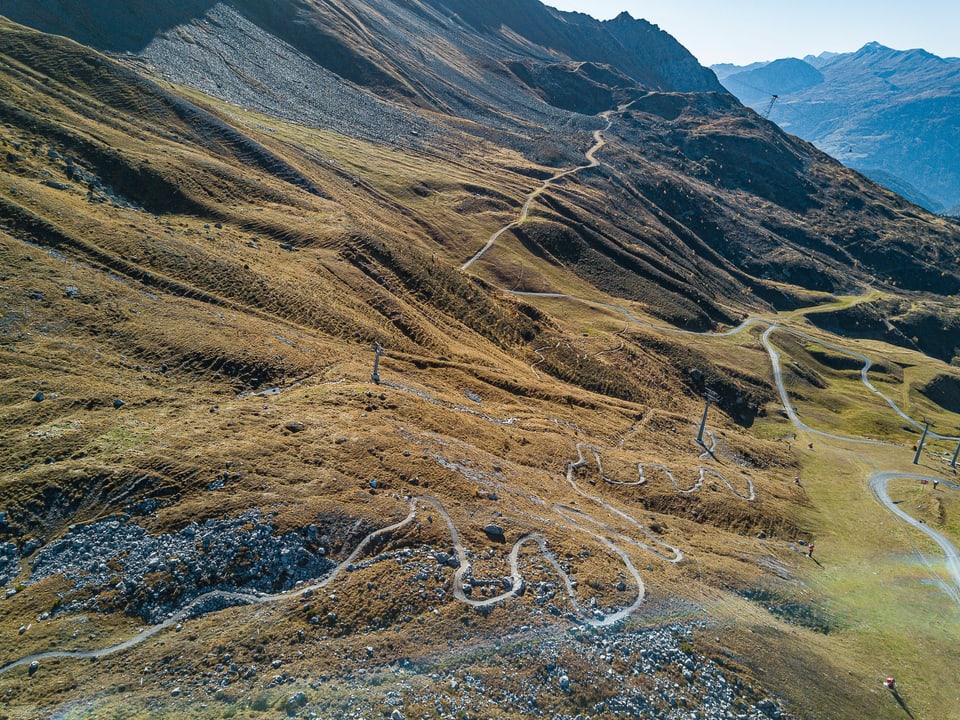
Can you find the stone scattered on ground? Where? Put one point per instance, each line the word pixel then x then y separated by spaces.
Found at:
pixel 154 575
pixel 650 673
pixel 9 560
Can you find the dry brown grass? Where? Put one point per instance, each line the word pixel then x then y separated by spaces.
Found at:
pixel 233 279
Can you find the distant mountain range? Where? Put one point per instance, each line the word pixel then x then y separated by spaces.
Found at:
pixel 891 114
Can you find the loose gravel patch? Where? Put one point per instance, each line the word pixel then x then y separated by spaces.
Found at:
pixel 153 575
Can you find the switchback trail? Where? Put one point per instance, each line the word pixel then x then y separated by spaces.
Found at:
pixel 877 481
pixel 591 156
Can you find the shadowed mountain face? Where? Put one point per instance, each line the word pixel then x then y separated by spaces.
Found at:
pixel 888 113
pixel 635 47
pixel 348 38
pixel 110 25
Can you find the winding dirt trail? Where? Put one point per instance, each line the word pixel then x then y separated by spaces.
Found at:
pixel 238 598
pixel 570 517
pixel 539 353
pixel 592 162
pixel 517 582
pixel 674 556
pixel 878 484
pixel 877 481
pixel 704 472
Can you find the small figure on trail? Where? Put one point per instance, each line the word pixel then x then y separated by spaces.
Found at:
pixel 810 550
pixel 935 483
pixel 890 683
pixel 810 446
pixel 797 479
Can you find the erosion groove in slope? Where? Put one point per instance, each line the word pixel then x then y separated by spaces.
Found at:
pixel 574 516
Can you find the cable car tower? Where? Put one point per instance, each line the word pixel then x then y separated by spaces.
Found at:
pixel 766 111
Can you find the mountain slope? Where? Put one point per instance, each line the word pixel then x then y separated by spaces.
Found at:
pixel 504 87
pixel 784 77
pixel 884 112
pixel 515 519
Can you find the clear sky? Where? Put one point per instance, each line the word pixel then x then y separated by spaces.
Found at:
pixel 744 31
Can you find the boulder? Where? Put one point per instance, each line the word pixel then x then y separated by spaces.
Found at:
pixel 295 702
pixel 494 532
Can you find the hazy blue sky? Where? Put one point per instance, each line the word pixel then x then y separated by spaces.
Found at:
pixel 743 31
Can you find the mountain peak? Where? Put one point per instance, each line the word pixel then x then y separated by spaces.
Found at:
pixel 892 99
pixel 879 50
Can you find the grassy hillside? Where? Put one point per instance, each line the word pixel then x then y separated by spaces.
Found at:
pixel 191 292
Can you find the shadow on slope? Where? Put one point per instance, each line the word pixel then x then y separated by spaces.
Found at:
pixel 111 25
